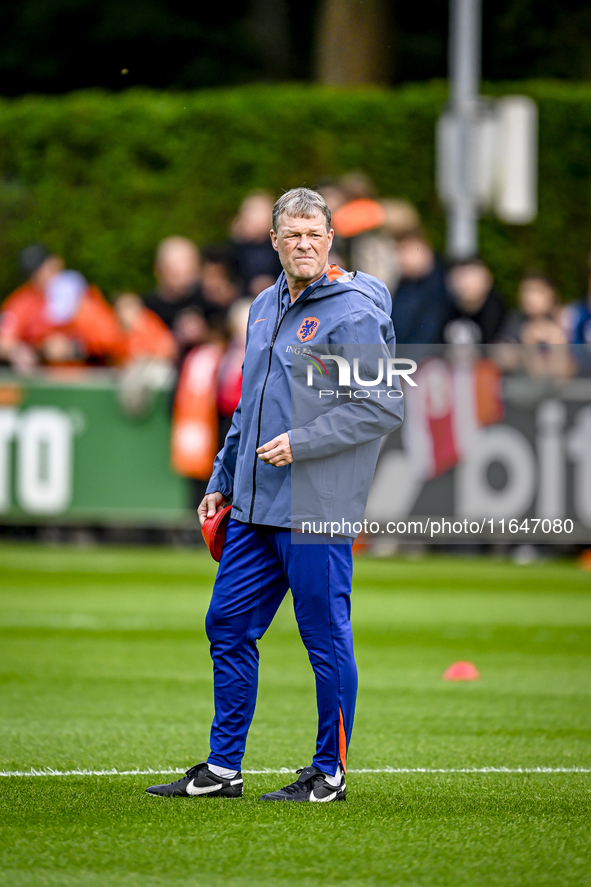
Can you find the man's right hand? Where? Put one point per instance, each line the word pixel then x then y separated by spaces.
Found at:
pixel 210 505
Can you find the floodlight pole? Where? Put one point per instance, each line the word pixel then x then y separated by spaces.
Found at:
pixel 464 81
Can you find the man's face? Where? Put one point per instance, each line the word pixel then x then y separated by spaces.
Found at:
pixel 177 269
pixel 303 246
pixel 47 271
pixel 471 285
pixel 537 297
pixel 415 258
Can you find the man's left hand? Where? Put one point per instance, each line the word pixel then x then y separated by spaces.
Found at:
pixel 276 452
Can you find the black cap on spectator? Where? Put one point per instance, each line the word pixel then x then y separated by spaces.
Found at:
pixel 32 257
pixel 221 254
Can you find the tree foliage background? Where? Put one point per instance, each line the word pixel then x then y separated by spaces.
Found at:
pixel 102 177
pixel 54 46
pixel 184 109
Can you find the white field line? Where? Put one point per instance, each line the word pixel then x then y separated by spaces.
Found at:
pixel 48 771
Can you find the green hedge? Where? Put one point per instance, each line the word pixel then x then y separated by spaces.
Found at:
pixel 102 177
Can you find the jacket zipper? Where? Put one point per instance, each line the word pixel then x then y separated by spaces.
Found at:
pixel 278 322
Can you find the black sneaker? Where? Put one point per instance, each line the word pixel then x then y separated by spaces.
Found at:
pixel 310 786
pixel 200 782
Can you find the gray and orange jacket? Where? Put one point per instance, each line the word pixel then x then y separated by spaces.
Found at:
pixel 336 450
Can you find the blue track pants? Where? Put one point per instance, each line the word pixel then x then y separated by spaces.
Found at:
pixel 257 567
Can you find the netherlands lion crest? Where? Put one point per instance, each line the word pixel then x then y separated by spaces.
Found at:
pixel 307 330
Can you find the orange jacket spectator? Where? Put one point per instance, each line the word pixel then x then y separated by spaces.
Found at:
pixel 67 322
pixel 146 335
pixel 194 441
pixel 358 216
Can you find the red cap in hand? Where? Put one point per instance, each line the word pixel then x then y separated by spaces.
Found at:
pixel 214 531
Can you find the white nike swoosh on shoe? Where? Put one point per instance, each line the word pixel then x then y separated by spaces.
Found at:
pixel 193 789
pixel 327 798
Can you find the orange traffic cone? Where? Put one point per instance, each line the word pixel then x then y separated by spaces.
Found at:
pixel 461 671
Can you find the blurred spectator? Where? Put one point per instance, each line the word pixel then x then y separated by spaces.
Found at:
pixel 421 303
pixel 146 335
pixel 366 228
pixel 335 197
pixel 57 317
pixel 195 428
pixel 220 285
pixel 258 264
pixel 357 185
pixel 150 353
pixel 190 329
pixel 358 216
pixel 201 334
pixel 375 252
pixel 580 317
pixel 400 217
pixel 177 272
pixel 478 309
pixel 355 211
pixel 333 193
pixel 230 371
pixel 538 325
pixel 538 315
pixel 208 390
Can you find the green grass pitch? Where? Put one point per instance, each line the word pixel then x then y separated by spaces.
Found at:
pixel 104 664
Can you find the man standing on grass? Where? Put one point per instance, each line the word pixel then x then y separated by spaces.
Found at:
pixel 337 451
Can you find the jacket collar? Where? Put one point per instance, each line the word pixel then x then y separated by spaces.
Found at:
pixel 331 276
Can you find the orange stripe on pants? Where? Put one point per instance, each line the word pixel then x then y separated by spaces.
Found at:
pixel 342 742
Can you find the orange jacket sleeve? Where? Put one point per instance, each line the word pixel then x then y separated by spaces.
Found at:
pixel 150 337
pixel 20 308
pixel 97 327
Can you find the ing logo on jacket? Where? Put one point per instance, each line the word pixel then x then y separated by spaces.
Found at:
pixel 308 328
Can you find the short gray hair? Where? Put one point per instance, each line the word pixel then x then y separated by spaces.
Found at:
pixel 301 202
